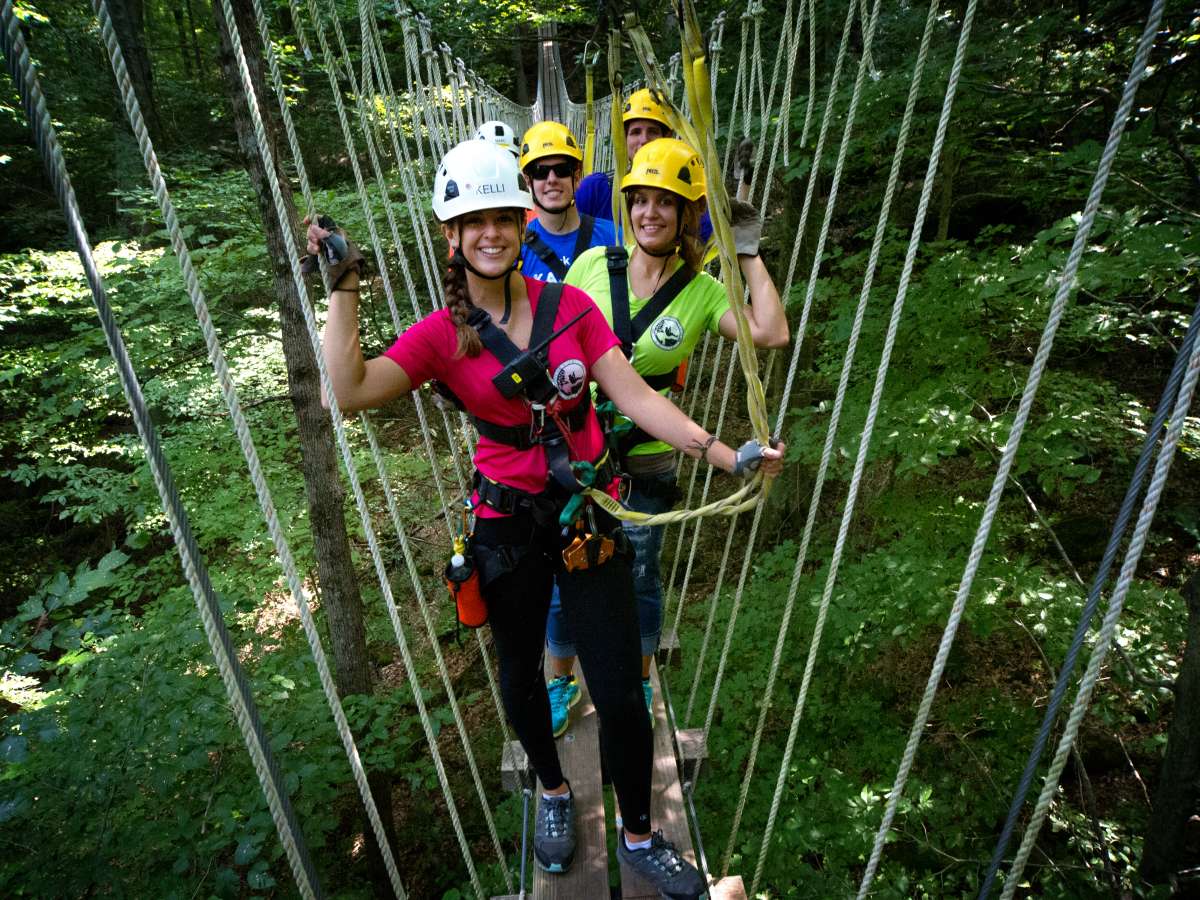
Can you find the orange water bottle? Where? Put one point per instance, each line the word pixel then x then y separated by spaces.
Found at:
pixel 462 580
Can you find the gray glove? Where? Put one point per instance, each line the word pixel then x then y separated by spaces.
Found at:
pixel 747 227
pixel 744 165
pixel 339 251
pixel 748 458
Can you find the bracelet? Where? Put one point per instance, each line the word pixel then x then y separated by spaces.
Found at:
pixel 712 439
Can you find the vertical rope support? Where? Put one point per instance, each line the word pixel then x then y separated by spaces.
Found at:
pixel 831 431
pixel 1108 627
pixel 1116 536
pixel 250 453
pixel 344 445
pixel 236 685
pixel 1062 295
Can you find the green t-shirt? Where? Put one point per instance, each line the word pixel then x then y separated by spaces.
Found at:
pixel 672 336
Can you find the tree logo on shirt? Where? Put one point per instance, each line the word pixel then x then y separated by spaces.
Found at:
pixel 666 332
pixel 570 378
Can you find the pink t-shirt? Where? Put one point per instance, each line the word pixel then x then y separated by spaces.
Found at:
pixel 426 351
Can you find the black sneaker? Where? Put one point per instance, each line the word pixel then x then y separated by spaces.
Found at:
pixel 662 867
pixel 554 833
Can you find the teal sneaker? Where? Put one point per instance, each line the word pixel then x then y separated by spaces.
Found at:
pixel 648 692
pixel 564 693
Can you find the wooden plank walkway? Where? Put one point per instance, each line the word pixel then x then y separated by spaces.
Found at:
pixel 579 753
pixel 579 756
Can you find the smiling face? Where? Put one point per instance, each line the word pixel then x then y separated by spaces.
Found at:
pixel 655 217
pixel 553 190
pixel 490 239
pixel 639 132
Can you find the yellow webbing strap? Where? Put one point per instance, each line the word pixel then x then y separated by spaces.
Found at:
pixel 589 139
pixel 616 85
pixel 699 136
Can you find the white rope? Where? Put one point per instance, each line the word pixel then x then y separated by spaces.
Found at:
pixel 26 80
pixel 1108 626
pixel 1157 482
pixel 245 439
pixel 731 623
pixel 827 455
pixel 1066 283
pixel 339 429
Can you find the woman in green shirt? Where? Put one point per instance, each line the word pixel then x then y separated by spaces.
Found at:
pixel 659 302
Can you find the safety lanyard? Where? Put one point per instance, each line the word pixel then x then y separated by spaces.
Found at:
pixel 583 240
pixel 628 331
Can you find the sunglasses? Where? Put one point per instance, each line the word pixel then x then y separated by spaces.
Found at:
pixel 540 171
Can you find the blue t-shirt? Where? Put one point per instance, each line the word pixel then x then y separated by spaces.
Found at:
pixel 593 197
pixel 563 246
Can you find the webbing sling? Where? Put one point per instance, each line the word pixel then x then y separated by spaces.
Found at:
pixel 545 432
pixel 628 331
pixel 583 240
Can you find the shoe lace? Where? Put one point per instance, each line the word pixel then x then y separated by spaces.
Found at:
pixel 555 816
pixel 664 854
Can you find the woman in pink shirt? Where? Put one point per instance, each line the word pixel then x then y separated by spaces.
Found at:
pixel 530 429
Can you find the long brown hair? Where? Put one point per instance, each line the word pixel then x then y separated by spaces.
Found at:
pixel 691 248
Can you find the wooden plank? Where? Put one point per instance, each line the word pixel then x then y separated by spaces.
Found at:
pixel 666 799
pixel 728 888
pixel 515 771
pixel 668 642
pixel 579 756
pixel 691 750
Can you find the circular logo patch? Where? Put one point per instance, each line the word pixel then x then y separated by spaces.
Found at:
pixel 570 378
pixel 666 332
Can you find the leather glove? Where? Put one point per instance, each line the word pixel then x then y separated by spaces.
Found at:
pixel 341 254
pixel 747 459
pixel 747 227
pixel 744 165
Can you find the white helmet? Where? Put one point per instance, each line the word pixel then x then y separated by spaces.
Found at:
pixel 499 134
pixel 478 175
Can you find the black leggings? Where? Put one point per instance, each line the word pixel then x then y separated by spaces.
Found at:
pixel 599 607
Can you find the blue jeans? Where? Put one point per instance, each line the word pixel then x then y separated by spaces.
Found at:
pixel 649 495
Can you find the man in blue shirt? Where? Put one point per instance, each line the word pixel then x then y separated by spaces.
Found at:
pixel 551 160
pixel 644 120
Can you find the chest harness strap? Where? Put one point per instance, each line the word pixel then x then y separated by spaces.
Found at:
pixel 525 372
pixel 629 330
pixel 583 240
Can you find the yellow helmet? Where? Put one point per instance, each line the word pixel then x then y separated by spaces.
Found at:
pixel 669 164
pixel 548 139
pixel 642 105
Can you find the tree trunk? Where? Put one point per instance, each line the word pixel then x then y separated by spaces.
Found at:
pixel 340 597
pixel 950 164
pixel 1177 796
pixel 184 50
pixel 191 20
pixel 129 22
pixel 518 63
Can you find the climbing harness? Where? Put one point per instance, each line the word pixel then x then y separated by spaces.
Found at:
pixel 583 240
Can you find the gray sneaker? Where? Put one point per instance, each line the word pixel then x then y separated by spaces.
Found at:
pixel 662 867
pixel 554 833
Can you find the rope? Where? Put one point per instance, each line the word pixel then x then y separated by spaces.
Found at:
pixel 835 418
pixel 249 451
pixel 237 688
pixel 339 428
pixel 1065 285
pixel 1120 525
pixel 1109 625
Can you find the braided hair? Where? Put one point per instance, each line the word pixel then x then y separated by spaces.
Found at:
pixel 458 302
